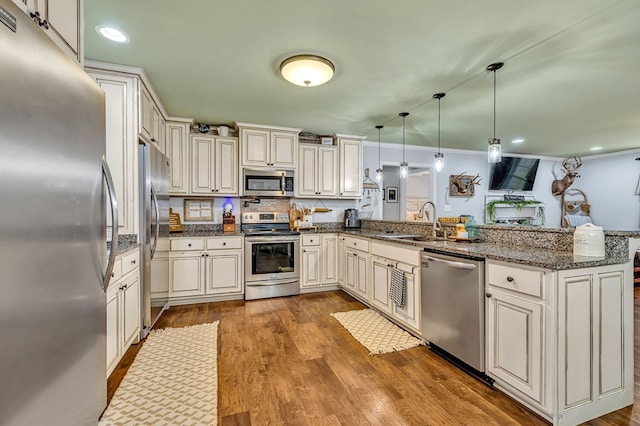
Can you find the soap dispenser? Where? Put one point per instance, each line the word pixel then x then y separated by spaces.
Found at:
pixel 461 231
pixel 472 227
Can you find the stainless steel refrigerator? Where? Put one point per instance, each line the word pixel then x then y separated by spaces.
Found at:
pixel 53 203
pixel 154 224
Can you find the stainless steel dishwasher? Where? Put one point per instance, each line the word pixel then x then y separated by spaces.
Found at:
pixel 453 308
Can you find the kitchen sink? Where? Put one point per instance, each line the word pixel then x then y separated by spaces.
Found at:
pixel 411 237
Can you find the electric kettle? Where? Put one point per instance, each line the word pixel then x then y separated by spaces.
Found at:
pixel 351 218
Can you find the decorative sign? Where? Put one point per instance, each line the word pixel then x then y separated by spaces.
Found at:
pixel 198 210
pixel 512 197
pixel 174 222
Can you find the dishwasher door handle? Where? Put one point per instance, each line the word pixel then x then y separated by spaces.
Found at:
pixel 459 265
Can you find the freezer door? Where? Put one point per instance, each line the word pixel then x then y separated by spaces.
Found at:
pixel 52 242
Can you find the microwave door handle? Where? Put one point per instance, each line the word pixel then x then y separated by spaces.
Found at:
pixel 154 198
pixel 113 201
pixel 283 183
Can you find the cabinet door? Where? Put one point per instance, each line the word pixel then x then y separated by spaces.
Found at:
pixel 130 310
pixel 327 171
pixel 177 149
pixel 307 173
pixel 146 112
pixel 350 168
pixel 380 284
pixel 342 260
pixel 224 272
pixel 351 270
pixel 255 147
pixel 156 123
pixel 362 282
pixel 202 165
pixel 121 147
pixel 113 329
pixel 284 149
pixel 64 24
pixel 186 274
pixel 311 266
pixel 410 314
pixel 329 259
pixel 514 341
pixel 226 171
pixel 160 275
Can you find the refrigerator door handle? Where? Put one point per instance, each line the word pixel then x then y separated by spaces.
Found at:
pixel 106 173
pixel 154 198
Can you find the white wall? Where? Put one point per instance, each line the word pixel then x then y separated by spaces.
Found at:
pixel 609 181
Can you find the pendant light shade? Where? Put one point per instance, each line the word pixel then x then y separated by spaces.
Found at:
pixel 307 70
pixel 379 169
pixel 404 167
pixel 495 149
pixel 439 157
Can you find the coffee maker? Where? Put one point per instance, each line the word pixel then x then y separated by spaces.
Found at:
pixel 351 218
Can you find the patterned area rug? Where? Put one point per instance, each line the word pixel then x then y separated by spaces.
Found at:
pixel 172 381
pixel 375 332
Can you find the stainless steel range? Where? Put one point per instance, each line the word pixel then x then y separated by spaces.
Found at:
pixel 272 265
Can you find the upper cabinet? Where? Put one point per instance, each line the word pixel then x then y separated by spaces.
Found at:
pixel 177 149
pixel 350 168
pixel 61 20
pixel 152 121
pixel 317 171
pixel 214 169
pixel 268 146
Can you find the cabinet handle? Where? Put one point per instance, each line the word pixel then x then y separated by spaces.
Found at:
pixel 189 244
pixel 488 295
pixel 304 251
pixel 207 254
pixel 510 279
pixel 133 262
pixel 202 255
pixel 213 190
pixel 154 140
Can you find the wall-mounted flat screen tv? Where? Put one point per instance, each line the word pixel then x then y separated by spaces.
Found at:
pixel 514 174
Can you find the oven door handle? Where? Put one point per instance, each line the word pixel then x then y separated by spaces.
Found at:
pixel 272 239
pixel 271 283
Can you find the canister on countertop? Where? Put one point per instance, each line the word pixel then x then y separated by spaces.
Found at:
pixel 588 240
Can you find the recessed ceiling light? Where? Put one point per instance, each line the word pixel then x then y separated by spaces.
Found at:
pixel 517 141
pixel 112 34
pixel 596 148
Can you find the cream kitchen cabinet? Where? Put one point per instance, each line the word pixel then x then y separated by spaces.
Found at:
pixel 356 267
pixel 211 266
pixel 561 342
pixel 319 261
pixel 61 20
pixel 152 121
pixel 123 307
pixel 177 149
pixel 350 166
pixel 160 271
pixel 214 165
pixel 317 171
pixel 268 146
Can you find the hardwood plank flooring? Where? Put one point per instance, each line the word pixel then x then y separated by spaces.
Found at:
pixel 286 361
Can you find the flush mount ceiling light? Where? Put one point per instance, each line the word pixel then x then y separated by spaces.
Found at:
pixel 439 157
pixel 307 70
pixel 404 167
pixel 379 170
pixel 112 34
pixel 495 150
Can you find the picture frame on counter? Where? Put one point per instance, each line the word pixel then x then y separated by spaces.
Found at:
pixel 198 210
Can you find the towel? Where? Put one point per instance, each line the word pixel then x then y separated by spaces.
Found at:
pixel 576 220
pixel 398 288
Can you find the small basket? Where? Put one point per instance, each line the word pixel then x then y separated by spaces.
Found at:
pixel 365 214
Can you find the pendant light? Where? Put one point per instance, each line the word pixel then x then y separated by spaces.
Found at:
pixel 495 150
pixel 439 157
pixel 379 170
pixel 404 167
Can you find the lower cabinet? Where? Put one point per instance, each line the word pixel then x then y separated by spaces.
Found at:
pixel 561 342
pixel 123 308
pixel 319 266
pixel 160 271
pixel 357 272
pixel 382 268
pixel 211 266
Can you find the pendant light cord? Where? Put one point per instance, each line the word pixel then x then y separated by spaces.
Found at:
pixel 379 128
pixel 494 104
pixel 403 158
pixel 439 125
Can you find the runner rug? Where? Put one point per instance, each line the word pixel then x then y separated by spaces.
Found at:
pixel 375 332
pixel 172 381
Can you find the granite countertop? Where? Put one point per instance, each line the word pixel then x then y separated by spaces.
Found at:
pixel 124 247
pixel 539 257
pixel 205 233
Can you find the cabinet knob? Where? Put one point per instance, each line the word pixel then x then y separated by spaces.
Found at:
pixel 153 140
pixel 113 274
pixel 510 279
pixel 213 190
pixel 133 262
pixel 304 251
pixel 189 244
pixel 224 244
pixel 488 295
pixel 207 254
pixel 202 255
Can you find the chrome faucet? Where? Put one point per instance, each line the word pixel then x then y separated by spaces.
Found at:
pixel 421 212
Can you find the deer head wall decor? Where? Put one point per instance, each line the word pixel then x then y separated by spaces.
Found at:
pixel 463 185
pixel 570 166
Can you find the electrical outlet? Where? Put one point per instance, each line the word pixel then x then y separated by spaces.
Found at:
pixel 447 207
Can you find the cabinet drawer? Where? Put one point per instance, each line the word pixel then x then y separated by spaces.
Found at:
pixel 526 281
pixel 130 262
pixel 117 270
pixel 186 244
pixel 356 243
pixel 311 240
pixel 396 252
pixel 224 243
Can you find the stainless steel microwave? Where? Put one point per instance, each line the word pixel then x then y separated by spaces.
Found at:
pixel 268 183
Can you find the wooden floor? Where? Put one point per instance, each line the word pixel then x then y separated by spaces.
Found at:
pixel 286 361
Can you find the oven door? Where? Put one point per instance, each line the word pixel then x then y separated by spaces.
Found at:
pixel 272 258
